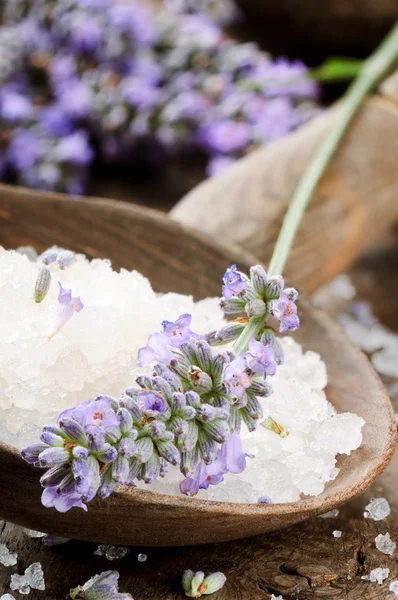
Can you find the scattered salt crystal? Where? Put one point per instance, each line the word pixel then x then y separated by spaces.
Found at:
pixel 385 361
pixel 6 557
pixel 28 251
pixel 337 533
pixel 7 597
pixel 378 509
pixel 332 514
pixel 111 552
pixel 33 578
pixel 342 287
pixel 142 557
pixel 32 533
pixel 276 597
pixel 385 544
pixel 377 575
pixel 393 587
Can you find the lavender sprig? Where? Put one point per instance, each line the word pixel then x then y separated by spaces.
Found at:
pixel 188 413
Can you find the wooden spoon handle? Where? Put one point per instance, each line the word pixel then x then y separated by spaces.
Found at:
pixel 355 202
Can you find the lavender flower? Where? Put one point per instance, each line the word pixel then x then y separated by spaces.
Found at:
pixel 100 587
pixel 67 307
pixel 235 377
pixel 196 584
pixel 285 311
pixel 234 282
pixel 260 358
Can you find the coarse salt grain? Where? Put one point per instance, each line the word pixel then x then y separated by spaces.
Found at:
pixel 337 534
pixel 378 509
pixel 377 575
pixel 385 544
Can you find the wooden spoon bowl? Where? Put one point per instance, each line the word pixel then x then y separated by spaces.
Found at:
pixel 178 259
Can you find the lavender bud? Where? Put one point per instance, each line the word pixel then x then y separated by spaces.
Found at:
pixel 218 430
pixel 253 407
pixel 108 484
pixel 131 392
pixel 67 485
pixel 211 337
pixel 144 449
pixel 214 582
pixel 268 338
pixel 113 434
pixel 74 431
pixel 133 407
pixel 256 308
pixel 207 447
pixel 42 284
pixel 218 366
pixel 205 412
pixel 53 476
pixel 95 440
pixel 31 453
pixel 222 413
pixel 52 457
pixel 145 382
pixel 205 355
pixel 278 352
pixel 232 306
pixel 199 380
pixel 135 468
pixel 54 429
pixel 259 278
pixel 250 423
pixel 120 469
pixel 180 366
pixel 48 256
pixel 54 540
pixel 188 413
pixel 248 294
pixel 93 479
pixel 65 258
pixel 79 452
pixel 261 388
pixel 187 581
pixel 161 385
pixel 190 352
pixel 191 437
pixel 274 287
pixel 168 451
pixel 164 468
pixel 125 420
pixel 52 439
pixel 235 419
pixel 80 474
pixel 227 334
pixel 113 402
pixel 157 429
pixel 107 454
pixel 178 401
pixel 171 378
pixel 193 399
pixel 151 469
pixel 291 293
pixel 189 460
pixel 127 448
pixel 179 426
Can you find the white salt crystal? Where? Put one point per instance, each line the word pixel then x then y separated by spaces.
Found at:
pixel 32 533
pixel 111 552
pixel 378 509
pixel 342 287
pixel 377 575
pixel 337 533
pixel 33 578
pixel 385 361
pixel 385 544
pixel 331 514
pixel 276 597
pixel 7 597
pixel 6 557
pixel 142 557
pixel 27 251
pixel 394 587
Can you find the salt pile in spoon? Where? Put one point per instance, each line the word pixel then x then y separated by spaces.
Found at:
pixel 96 352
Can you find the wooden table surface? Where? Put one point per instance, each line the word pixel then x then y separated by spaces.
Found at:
pixel 304 562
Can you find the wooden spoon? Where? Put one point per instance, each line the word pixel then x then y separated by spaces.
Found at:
pixel 178 259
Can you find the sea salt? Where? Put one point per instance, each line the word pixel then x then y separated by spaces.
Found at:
pixel 32 533
pixel 7 597
pixel 33 578
pixel 394 587
pixel 385 544
pixel 95 352
pixel 6 557
pixel 111 552
pixel 337 533
pixel 142 557
pixel 378 509
pixel 377 575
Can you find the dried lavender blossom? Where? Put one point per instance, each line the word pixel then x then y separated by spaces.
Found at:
pixel 188 413
pixel 100 587
pixel 131 85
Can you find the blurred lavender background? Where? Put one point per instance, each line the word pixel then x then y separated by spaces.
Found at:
pixel 110 82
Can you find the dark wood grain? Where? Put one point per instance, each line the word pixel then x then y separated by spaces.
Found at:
pixel 181 260
pixel 353 205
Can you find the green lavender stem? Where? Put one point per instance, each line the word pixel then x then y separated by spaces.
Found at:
pixel 372 71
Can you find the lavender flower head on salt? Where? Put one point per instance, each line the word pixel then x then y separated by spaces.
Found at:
pixel 188 414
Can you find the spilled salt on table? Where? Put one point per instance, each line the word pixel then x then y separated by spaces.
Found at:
pixel 377 575
pixel 385 544
pixel 95 352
